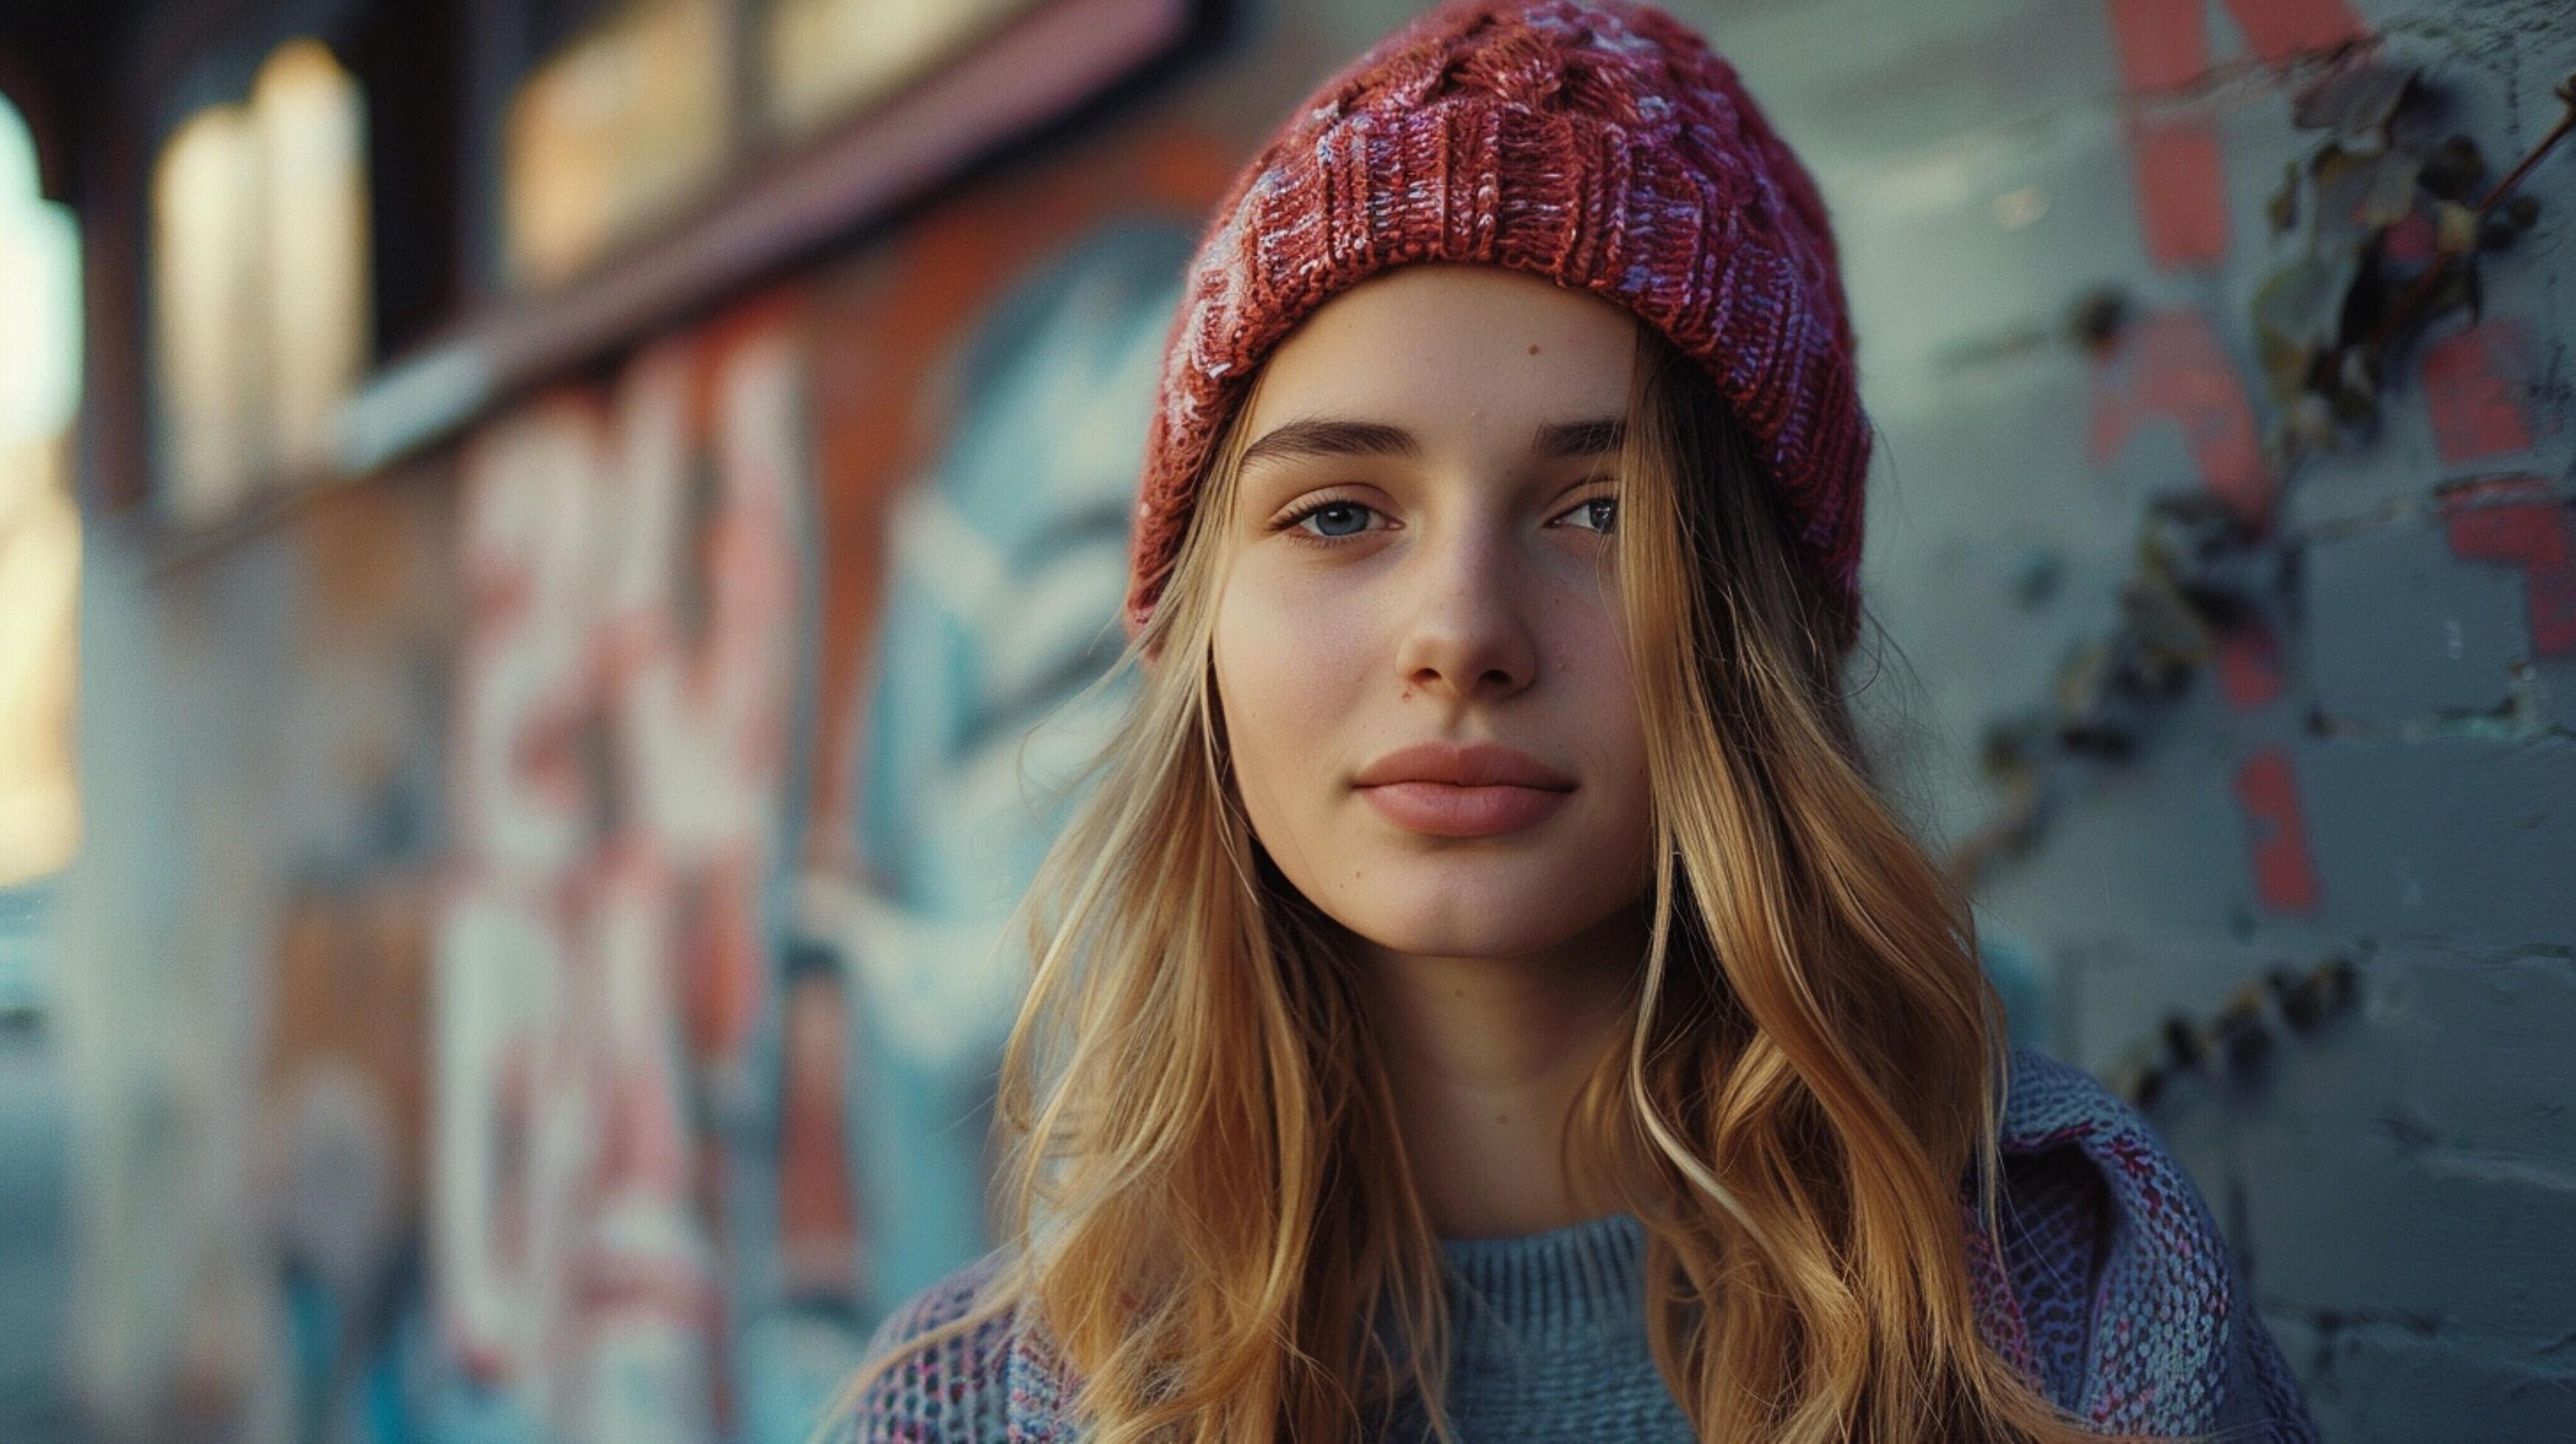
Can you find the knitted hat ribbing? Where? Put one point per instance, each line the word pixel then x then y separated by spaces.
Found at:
pixel 1601 146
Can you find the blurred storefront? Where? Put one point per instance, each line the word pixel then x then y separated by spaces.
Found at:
pixel 601 516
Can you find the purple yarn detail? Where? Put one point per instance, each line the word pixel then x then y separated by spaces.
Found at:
pixel 945 1392
pixel 2128 1295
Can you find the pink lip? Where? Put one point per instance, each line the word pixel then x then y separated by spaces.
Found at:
pixel 1476 789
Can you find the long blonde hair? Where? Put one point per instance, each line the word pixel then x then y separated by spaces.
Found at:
pixel 1206 1203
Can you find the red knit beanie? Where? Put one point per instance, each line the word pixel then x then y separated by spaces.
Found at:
pixel 1601 146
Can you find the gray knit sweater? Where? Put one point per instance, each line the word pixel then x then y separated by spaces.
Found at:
pixel 2115 1294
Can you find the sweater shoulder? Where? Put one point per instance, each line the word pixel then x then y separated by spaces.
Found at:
pixel 942 1391
pixel 2134 1305
pixel 2048 1103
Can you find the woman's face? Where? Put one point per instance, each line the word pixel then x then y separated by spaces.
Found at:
pixel 1417 647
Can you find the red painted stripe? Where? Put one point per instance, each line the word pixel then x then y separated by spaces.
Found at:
pixel 2538 536
pixel 2249 666
pixel 2162 48
pixel 2172 367
pixel 2473 384
pixel 2285 875
pixel 2161 45
pixel 2182 192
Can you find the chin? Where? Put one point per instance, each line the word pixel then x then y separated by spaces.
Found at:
pixel 1469 907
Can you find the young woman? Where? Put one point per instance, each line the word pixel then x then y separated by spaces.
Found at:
pixel 1483 996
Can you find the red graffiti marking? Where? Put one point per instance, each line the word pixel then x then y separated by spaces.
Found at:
pixel 2285 874
pixel 2163 49
pixel 878 420
pixel 2171 366
pixel 2519 523
pixel 522 801
pixel 2473 385
pixel 818 1211
pixel 620 760
pixel 2249 666
pixel 2182 193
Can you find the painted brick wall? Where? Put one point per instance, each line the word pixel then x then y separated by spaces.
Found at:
pixel 2375 768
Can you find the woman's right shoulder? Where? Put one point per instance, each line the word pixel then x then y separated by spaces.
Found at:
pixel 946 1391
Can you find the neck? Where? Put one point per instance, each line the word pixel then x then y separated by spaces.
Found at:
pixel 1486 1057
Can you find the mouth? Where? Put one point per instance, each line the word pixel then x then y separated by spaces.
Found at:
pixel 1449 789
pixel 1441 810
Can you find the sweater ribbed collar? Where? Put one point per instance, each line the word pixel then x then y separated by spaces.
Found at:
pixel 1580 1284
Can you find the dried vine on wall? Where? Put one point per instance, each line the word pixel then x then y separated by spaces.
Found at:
pixel 2386 219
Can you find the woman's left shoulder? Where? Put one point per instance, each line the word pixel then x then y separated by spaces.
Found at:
pixel 943 1377
pixel 2131 1298
pixel 2048 1103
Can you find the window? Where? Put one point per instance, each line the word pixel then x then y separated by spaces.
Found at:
pixel 262 299
pixel 40 362
pixel 616 132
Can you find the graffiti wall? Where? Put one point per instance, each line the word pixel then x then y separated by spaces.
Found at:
pixel 710 933
pixel 624 983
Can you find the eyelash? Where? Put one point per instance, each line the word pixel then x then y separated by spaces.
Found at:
pixel 1295 520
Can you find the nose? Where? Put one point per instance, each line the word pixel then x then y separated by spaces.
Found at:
pixel 1466 634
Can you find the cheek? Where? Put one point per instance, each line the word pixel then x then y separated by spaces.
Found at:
pixel 1609 691
pixel 1291 663
pixel 1599 691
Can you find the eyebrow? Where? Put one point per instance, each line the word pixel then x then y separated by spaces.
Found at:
pixel 1594 437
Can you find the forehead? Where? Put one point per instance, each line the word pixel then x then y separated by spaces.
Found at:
pixel 1436 348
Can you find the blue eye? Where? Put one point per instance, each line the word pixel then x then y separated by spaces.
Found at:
pixel 1336 519
pixel 1600 513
